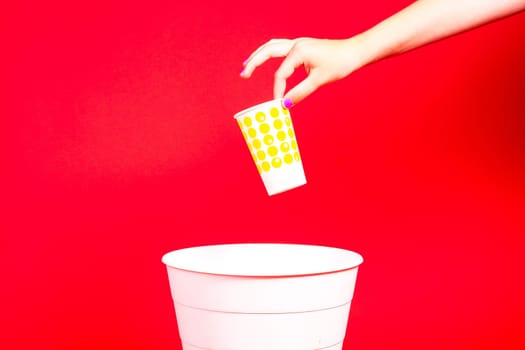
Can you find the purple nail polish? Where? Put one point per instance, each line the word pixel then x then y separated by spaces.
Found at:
pixel 287 103
pixel 242 72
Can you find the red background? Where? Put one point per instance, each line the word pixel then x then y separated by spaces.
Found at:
pixel 118 145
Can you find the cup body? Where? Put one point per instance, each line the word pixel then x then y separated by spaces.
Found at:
pixel 268 131
pixel 262 296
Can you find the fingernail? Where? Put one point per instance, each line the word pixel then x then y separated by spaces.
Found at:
pixel 242 72
pixel 287 103
pixel 245 61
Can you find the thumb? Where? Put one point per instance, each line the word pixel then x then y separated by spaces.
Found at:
pixel 300 92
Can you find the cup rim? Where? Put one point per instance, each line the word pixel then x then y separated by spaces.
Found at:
pixel 257 106
pixel 343 260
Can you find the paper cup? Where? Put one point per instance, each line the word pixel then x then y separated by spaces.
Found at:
pixel 262 296
pixel 268 131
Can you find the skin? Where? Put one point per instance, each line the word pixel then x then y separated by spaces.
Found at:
pixel 328 60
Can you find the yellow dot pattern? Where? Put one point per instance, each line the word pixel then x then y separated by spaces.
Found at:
pixel 269 133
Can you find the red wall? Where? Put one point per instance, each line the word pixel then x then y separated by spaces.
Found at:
pixel 118 145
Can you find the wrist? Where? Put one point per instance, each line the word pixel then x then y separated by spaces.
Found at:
pixel 360 51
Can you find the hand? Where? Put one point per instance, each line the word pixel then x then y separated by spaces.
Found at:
pixel 325 61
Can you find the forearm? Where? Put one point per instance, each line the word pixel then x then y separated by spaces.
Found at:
pixel 425 21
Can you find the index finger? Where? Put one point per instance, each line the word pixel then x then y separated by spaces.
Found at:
pixel 271 49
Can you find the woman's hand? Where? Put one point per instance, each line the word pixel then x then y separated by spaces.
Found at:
pixel 324 60
pixel 420 23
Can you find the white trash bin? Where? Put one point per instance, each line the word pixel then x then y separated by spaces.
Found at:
pixel 262 296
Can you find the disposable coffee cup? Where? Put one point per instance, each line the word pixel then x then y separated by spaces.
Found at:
pixel 268 131
pixel 262 296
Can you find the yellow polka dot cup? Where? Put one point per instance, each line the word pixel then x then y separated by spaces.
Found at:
pixel 268 131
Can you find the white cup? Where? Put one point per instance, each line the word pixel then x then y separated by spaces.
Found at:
pixel 262 296
pixel 268 131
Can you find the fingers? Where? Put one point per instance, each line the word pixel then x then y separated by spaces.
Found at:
pixel 294 56
pixel 286 69
pixel 300 91
pixel 273 48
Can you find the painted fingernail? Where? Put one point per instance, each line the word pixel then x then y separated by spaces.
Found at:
pixel 245 61
pixel 242 72
pixel 287 103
